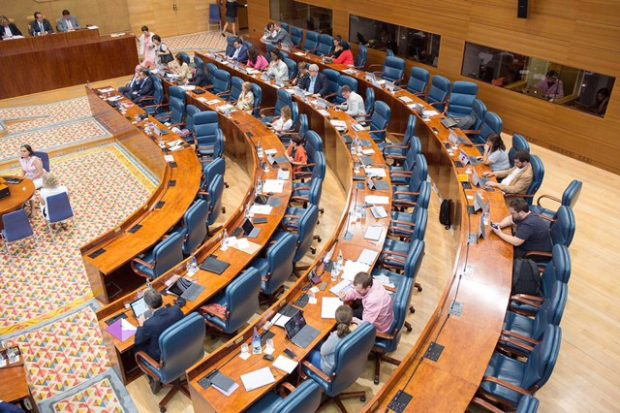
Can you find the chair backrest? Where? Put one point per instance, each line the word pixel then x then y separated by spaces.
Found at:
pixel 248 44
pixel 319 169
pixel 214 14
pixel 425 195
pixel 292 67
pixel 332 80
pixel 369 104
pixel 280 259
pixel 284 99
pixel 393 69
pixel 527 404
pixel 312 41
pixel 401 300
pixel 362 57
pixel 185 57
pixel 551 310
pixel 462 98
pixel 297 35
pixel 236 85
pixel 304 125
pixel 16 226
pixel 326 45
pixel 176 99
pixel 211 69
pixel 571 193
pixel 542 359
pixel 418 80
pixel 59 207
pixel 206 125
pixel 440 89
pixel 519 143
pixel 316 189
pixel 389 52
pixel 221 81
pixel 558 269
pixel 410 134
pixel 348 81
pixel 242 299
pixel 421 221
pixel 538 169
pixel 480 109
pixel 258 99
pixel 215 167
pixel 230 45
pixel 216 189
pixel 492 124
pixel 167 254
pixel 563 228
pixel 314 142
pixel 350 358
pixel 200 64
pixel 284 25
pixel 182 345
pixel 190 112
pixel 45 159
pixel 420 173
pixel 380 120
pixel 271 48
pixel 413 262
pixel 307 224
pixel 195 223
pixel 305 399
pixel 294 115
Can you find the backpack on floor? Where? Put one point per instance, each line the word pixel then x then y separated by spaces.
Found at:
pixel 445 213
pixel 525 277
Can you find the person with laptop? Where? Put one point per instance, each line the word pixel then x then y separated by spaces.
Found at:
pixel 517 179
pixel 532 231
pixel 371 302
pixel 324 358
pixel 147 335
pixel 354 105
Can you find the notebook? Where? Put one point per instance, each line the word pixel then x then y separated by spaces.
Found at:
pixel 258 378
pixel 212 264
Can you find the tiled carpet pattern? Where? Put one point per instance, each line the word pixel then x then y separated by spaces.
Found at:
pixel 54 113
pixel 203 41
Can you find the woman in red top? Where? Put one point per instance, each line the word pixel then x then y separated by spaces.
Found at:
pixel 346 56
pixel 296 153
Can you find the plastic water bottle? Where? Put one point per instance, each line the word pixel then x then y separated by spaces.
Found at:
pixel 257 348
pixel 224 240
pixel 259 185
pixel 193 265
pixel 334 272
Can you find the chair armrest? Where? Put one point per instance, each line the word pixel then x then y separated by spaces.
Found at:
pixel 373 66
pixel 288 387
pixel 393 230
pixel 161 105
pixel 406 193
pixel 409 224
pixel 528 297
pixel 403 173
pixel 142 262
pixel 316 371
pixel 141 357
pixel 377 131
pixel 538 254
pixel 519 337
pixel 443 102
pixel 222 94
pixel 290 216
pixel 507 385
pixel 486 405
pixel 302 188
pixel 516 343
pixel 528 302
pixel 385 336
pixel 264 111
pixel 518 195
pixel 471 132
pixel 551 197
pixel 397 253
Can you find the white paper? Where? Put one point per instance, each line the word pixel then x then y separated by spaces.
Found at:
pixel 405 99
pixel 271 151
pixel 212 102
pixel 351 268
pixel 107 90
pixel 188 87
pixel 283 175
pixel 359 127
pixel 341 286
pixel 312 300
pixel 429 113
pixel 368 257
pixel 329 306
pixel 378 212
pixel 169 158
pixel 377 200
pixel 260 209
pixel 368 151
pixel 273 186
pixel 380 172
pixel 339 124
pixel 244 356
pixel 92 27
pixel 323 112
pixel 127 326
pixel 280 320
pixel 285 364
pixel 258 378
pixel 373 233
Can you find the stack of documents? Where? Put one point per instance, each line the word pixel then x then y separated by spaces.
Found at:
pixel 260 209
pixel 257 378
pixel 380 172
pixel 368 257
pixel 285 364
pixel 273 186
pixel 405 99
pixel 377 200
pixel 329 306
pixel 373 233
pixel 323 112
pixel 351 268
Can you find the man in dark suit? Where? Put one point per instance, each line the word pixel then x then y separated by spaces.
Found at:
pixel 240 52
pixel 40 26
pixel 147 335
pixel 199 77
pixel 146 87
pixel 316 83
pixel 134 85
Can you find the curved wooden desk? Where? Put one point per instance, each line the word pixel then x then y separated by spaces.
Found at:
pixel 107 257
pixel 20 194
pixel 238 128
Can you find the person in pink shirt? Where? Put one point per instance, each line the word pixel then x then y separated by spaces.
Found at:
pixel 256 60
pixel 346 56
pixel 376 304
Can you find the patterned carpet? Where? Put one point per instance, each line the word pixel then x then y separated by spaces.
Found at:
pixel 54 113
pixel 202 41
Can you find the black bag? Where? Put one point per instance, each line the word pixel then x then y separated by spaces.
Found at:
pixel 166 58
pixel 445 213
pixel 525 277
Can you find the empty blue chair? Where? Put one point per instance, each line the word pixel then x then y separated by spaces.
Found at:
pixel 277 266
pixel 45 159
pixel 344 81
pixel 379 121
pixel 312 41
pixel 283 98
pixel 182 346
pixel 569 199
pixel 519 143
pixel 210 152
pixel 303 222
pixel 185 57
pixel 200 64
pixel 176 104
pixel 394 250
pixel 166 255
pixel 325 46
pixel 236 83
pixel 440 89
pixel 369 104
pixel 480 109
pixel 362 57
pixel 215 15
pixel 408 225
pixel 58 209
pixel 563 228
pixel 297 35
pixel 221 82
pixel 308 193
pixel 406 196
pixel 398 152
pixel 292 67
pixel 492 124
pixel 190 112
pixel 211 69
pixel 306 398
pixel 214 198
pixel 210 170
pixel 258 99
pixel 304 126
pixel 16 228
pixel 351 355
pixel 333 77
pixel 400 174
pixel 194 226
pixel 461 102
pixel 418 81
pixel 393 69
pixel 240 300
pixel 527 404
pixel 207 133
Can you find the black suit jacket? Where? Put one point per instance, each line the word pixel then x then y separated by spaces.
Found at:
pixel 147 336
pixel 320 86
pixel 146 88
pixel 14 30
pixel 200 79
pixel 46 26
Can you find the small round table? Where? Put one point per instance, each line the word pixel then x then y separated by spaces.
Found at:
pixel 20 194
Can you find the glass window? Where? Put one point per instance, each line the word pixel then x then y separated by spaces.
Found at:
pixel 405 42
pixel 564 85
pixel 302 15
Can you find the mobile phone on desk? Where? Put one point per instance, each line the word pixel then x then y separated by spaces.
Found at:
pixel 495 225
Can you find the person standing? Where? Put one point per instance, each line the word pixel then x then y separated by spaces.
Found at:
pixel 231 16
pixel 145 45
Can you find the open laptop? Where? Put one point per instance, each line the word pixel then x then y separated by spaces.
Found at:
pixel 139 308
pixel 300 333
pixel 479 180
pixel 249 230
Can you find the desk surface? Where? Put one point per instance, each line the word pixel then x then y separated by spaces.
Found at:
pixel 20 194
pixel 14 382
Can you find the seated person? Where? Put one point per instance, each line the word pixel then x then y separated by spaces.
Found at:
pixel 338 49
pixel 517 179
pixel 180 68
pixel 600 101
pixel 325 358
pixel 284 122
pixel 199 77
pixel 296 153
pixel 147 335
pixel 372 302
pixel 67 22
pixel 354 106
pixel 278 70
pixel 316 82
pixel 532 231
pixel 133 85
pixel 551 87
pixel 40 26
pixel 32 166
pixel 146 87
pixel 495 154
pixel 50 187
pixel 346 55
pixel 246 98
pixel 240 53
pixel 256 60
pixel 8 29
pixel 302 74
pixel 280 37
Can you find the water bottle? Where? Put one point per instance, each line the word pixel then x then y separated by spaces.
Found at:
pixel 340 262
pixel 259 185
pixel 256 345
pixel 334 272
pixel 193 266
pixel 224 240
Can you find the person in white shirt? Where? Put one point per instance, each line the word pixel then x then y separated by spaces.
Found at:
pixel 277 69
pixel 284 122
pixel 354 106
pixel 145 46
pixel 246 98
pixel 50 187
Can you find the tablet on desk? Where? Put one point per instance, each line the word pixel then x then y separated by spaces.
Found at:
pixel 140 308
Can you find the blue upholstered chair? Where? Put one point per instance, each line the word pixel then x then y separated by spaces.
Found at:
pixel 190 112
pixel 480 109
pixel 206 126
pixel 176 104
pixel 393 69
pixel 569 199
pixel 402 170
pixel 379 121
pixel 369 103
pixel 200 64
pixel 45 159
pixel 342 81
pixel 214 149
pixel 292 67
pixel 350 357
pixel 404 224
pixel 283 98
pixel 333 77
pixel 312 41
pixel 297 35
pixel 306 398
pixel 277 265
pixel 221 82
pixel 492 124
pixel 166 254
pixel 182 345
pixel 307 193
pixel 58 209
pixel 284 26
pixel 362 57
pixel 236 83
pixel 214 198
pixel 406 196
pixel 16 228
pixel 302 222
pixel 507 380
pixel 418 81
pixel 398 151
pixel 215 15
pixel 153 104
pixel 185 57
pixel 538 169
pixel 314 170
pixel 211 69
pixel 230 45
pixel 240 300
pixel 562 231
pixel 210 170
pixel 194 226
pixel 394 250
pixel 519 143
pixel 326 45
pixel 440 90
pixel 462 98
pixel 258 99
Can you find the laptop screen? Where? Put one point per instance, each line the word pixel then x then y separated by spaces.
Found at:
pixel 295 324
pixel 139 307
pixel 247 227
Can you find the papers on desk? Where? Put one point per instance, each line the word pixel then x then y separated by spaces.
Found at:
pixel 257 379
pixel 283 175
pixel 359 127
pixel 285 364
pixel 92 27
pixel 373 233
pixel 339 124
pixel 329 306
pixel 273 186
pixel 368 151
pixel 106 90
pixel 343 285
pixel 368 257
pixel 122 329
pixel 380 172
pixel 429 113
pixel 270 151
pixel 188 87
pixel 211 101
pixel 351 268
pixel 376 200
pixel 384 280
pixel 323 112
pixel 252 71
pixel 405 99
pixel 114 98
pixel 169 158
pixel 280 320
pixel 260 209
pixel 350 71
pixel 243 245
pixel 117 34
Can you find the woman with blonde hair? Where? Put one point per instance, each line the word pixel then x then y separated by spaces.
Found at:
pixel 50 188
pixel 325 358
pixel 8 29
pixel 285 121
pixel 246 98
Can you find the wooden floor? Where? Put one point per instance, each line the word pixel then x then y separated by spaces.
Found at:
pixel 587 376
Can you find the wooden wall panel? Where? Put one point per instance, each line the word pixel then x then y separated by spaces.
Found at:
pixel 581 33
